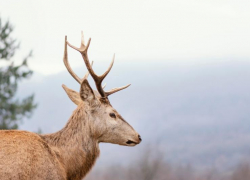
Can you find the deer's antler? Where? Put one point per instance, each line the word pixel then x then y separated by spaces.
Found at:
pixel 66 63
pixel 98 79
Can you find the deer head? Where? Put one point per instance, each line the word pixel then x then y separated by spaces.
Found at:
pixel 107 125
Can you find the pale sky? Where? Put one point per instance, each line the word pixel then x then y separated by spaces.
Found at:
pixel 136 30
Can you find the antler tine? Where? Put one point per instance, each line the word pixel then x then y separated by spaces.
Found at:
pixel 83 48
pixel 103 87
pixel 66 63
pixel 112 91
pixel 110 67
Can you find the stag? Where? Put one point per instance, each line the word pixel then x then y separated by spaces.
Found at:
pixel 70 153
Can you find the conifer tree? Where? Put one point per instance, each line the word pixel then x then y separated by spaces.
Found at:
pixel 12 109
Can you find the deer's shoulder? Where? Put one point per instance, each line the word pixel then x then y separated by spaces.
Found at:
pixel 24 141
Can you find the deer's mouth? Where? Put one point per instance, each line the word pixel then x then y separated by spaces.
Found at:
pixel 131 142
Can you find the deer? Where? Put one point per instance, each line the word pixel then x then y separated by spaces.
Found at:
pixel 70 153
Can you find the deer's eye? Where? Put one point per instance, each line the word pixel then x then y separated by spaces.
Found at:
pixel 112 115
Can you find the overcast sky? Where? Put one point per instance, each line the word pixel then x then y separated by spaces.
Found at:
pixel 136 30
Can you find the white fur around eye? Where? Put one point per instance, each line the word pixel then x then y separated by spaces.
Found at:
pixel 112 121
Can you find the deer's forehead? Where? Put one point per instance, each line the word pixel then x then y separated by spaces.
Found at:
pixel 107 107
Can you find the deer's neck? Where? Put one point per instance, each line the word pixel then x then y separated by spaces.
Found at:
pixel 76 146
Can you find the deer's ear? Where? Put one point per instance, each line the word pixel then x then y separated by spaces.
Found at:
pixel 86 92
pixel 73 95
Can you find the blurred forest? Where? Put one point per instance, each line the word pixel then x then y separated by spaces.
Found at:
pixel 151 165
pixel 12 109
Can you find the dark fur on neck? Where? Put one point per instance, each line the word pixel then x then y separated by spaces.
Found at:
pixel 75 146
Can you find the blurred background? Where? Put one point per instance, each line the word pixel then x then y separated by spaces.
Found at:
pixel 188 62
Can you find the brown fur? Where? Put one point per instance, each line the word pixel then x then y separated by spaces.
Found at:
pixel 78 148
pixel 67 154
pixel 24 155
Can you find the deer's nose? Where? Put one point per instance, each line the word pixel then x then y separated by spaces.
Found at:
pixel 139 137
